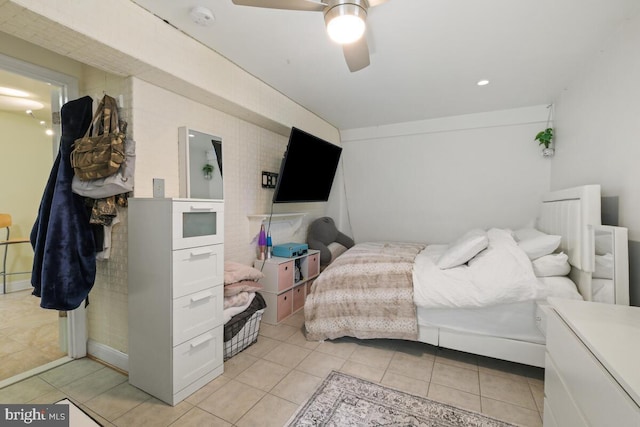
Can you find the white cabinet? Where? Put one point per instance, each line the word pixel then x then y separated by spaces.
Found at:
pixel 591 373
pixel 176 275
pixel 286 283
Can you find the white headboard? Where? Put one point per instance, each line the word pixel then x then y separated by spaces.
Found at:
pixel 572 213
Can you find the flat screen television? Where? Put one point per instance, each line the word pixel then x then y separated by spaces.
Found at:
pixel 307 170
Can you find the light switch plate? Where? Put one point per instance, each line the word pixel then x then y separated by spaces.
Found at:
pixel 158 188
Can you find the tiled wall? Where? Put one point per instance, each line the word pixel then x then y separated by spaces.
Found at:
pixel 155 115
pixel 107 313
pixel 188 71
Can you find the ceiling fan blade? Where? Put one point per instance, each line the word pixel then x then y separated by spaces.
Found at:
pixel 373 3
pixel 309 5
pixel 357 54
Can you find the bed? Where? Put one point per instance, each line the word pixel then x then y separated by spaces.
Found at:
pixel 378 290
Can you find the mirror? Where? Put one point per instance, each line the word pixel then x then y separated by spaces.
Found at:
pixel 610 277
pixel 200 157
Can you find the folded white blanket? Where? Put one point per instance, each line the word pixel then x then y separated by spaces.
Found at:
pixel 236 300
pixel 228 313
pixel 502 273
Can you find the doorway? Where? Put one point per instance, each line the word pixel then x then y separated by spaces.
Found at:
pixel 33 339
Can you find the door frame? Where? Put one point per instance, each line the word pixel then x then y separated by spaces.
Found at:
pixel 76 319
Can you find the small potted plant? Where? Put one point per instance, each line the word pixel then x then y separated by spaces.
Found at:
pixel 207 170
pixel 545 138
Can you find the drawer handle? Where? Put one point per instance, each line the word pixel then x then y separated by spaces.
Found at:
pixel 201 252
pixel 200 208
pixel 201 296
pixel 201 340
pixel 286 267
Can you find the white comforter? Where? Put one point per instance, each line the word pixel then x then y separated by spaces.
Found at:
pixel 500 274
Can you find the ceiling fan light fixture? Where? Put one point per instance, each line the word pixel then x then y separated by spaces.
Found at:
pixel 345 22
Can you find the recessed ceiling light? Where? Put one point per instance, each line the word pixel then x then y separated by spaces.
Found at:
pixel 49 132
pixel 483 82
pixel 13 92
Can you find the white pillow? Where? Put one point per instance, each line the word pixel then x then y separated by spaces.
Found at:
pixel 551 265
pixel 560 287
pixel 604 267
pixel 527 233
pixel 537 247
pixel 463 249
pixel 604 244
pixel 336 250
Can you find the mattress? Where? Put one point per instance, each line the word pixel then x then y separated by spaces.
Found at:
pixel 515 321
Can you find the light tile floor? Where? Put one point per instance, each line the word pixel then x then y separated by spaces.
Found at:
pixel 266 383
pixel 28 334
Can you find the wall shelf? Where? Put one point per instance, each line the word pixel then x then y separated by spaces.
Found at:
pixel 277 216
pixel 283 226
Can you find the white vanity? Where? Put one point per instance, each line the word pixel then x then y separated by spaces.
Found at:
pixel 592 373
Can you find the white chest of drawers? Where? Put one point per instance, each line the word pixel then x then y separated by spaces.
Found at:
pixel 592 376
pixel 176 275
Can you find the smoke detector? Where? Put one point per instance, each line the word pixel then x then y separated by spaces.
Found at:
pixel 202 16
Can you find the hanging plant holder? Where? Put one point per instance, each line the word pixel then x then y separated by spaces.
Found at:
pixel 207 171
pixel 548 152
pixel 545 137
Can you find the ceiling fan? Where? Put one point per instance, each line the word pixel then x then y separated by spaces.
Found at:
pixel 345 20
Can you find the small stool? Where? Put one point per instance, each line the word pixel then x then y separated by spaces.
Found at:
pixel 5 222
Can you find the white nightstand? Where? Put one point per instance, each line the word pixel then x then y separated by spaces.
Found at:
pixel 591 374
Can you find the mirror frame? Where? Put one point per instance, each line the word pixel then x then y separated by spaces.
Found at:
pixel 620 247
pixel 184 163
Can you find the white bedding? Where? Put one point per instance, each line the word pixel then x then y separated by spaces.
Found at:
pixel 500 274
pixel 603 290
pixel 513 321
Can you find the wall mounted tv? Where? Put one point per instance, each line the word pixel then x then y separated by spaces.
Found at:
pixel 307 170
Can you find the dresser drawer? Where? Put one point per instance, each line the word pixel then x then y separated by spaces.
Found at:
pixel 196 357
pixel 561 407
pixel 196 313
pixel 313 265
pixel 197 223
pixel 285 275
pixel 299 293
pixel 197 269
pixel 598 396
pixel 548 419
pixel 285 305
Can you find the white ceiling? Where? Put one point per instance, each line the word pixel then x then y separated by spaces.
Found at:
pixel 36 95
pixel 426 55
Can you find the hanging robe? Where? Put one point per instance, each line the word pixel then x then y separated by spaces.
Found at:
pixel 64 262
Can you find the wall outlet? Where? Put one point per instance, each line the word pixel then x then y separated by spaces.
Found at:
pixel 269 179
pixel 158 188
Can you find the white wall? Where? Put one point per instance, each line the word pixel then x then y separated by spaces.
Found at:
pixel 598 133
pixel 598 125
pixel 431 181
pixel 25 164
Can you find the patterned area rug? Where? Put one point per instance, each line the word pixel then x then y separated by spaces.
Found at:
pixel 343 400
